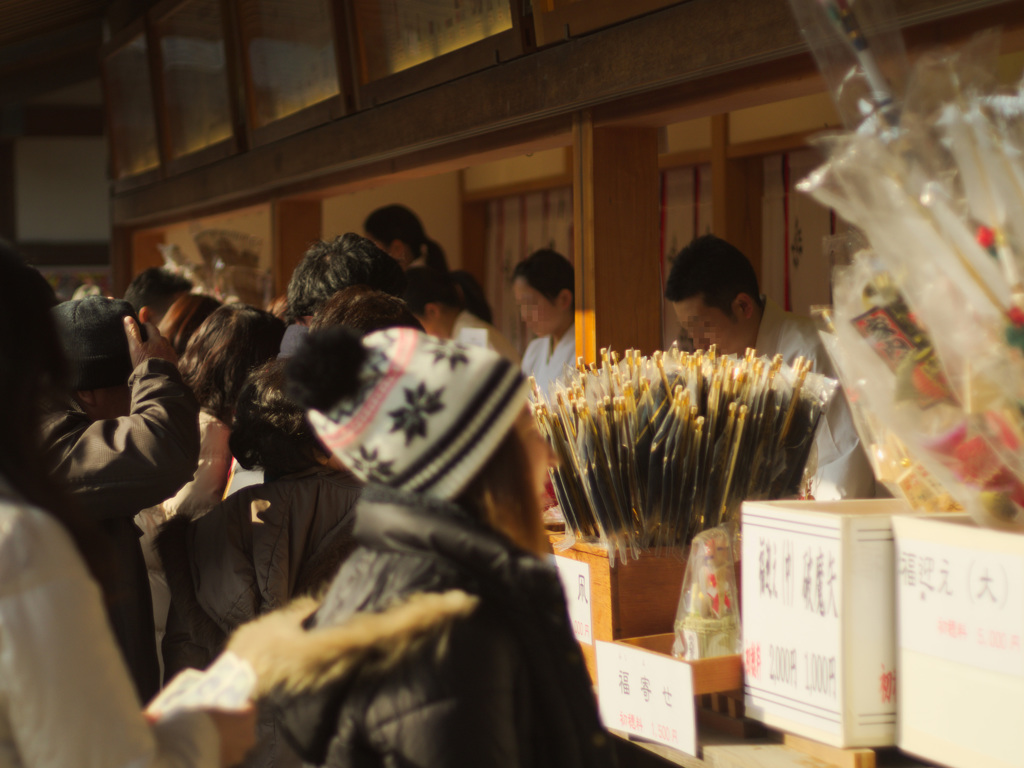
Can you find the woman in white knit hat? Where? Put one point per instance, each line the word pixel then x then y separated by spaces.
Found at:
pixel 444 639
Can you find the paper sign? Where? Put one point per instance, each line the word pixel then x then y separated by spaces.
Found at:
pixel 962 605
pixel 576 583
pixel 646 694
pixel 227 684
pixel 792 593
pixel 473 337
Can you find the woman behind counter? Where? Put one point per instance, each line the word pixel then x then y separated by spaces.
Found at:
pixel 544 287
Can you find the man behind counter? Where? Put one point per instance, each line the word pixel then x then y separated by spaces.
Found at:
pixel 715 295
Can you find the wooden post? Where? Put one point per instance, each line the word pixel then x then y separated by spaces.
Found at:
pixel 737 190
pixel 474 239
pixel 145 253
pixel 132 251
pixel 615 237
pixel 296 224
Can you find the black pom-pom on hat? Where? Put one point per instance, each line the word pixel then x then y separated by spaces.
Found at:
pixel 325 368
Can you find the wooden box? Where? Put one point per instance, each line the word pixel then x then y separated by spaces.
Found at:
pixel 818 619
pixel 631 599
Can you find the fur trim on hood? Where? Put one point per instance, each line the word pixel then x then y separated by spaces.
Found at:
pixel 290 659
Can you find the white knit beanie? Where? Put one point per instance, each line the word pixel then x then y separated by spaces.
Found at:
pixel 405 409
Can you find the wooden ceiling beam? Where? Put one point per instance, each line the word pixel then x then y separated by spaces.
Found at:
pixel 697 58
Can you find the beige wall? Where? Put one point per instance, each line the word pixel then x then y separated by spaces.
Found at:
pixel 61 189
pixel 807 113
pixel 517 170
pixel 687 136
pixel 435 199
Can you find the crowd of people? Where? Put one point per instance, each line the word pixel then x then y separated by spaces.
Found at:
pixel 347 503
pixel 343 490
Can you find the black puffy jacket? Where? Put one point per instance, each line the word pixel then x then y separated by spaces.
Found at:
pixel 438 644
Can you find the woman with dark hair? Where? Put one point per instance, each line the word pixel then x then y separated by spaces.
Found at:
pixel 365 310
pixel 444 638
pixel 232 341
pixel 473 296
pixel 263 545
pixel 184 317
pixel 545 289
pixel 398 231
pixel 66 697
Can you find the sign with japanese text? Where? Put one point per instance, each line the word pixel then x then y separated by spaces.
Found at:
pixel 792 601
pixel 962 605
pixel 647 694
pixel 576 583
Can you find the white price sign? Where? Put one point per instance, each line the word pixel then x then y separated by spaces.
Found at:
pixel 962 605
pixel 792 590
pixel 647 694
pixel 576 584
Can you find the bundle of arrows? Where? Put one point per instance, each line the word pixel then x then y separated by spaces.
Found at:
pixel 653 450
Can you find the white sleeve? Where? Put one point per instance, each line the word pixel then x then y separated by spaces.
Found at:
pixel 844 470
pixel 68 698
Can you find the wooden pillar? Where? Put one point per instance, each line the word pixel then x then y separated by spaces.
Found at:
pixel 474 239
pixel 297 224
pixel 737 190
pixel 145 253
pixel 616 238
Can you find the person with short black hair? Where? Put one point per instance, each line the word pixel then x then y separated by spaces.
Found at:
pixel 328 267
pixel 544 285
pixel 435 301
pixel 153 290
pixel 714 293
pixel 399 232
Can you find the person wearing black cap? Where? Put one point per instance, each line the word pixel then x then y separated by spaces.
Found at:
pixel 125 437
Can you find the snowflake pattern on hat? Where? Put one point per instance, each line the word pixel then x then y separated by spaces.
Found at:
pixel 370 464
pixel 411 418
pixel 428 413
pixel 452 352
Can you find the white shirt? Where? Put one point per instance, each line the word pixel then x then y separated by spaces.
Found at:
pixel 65 694
pixel 544 360
pixel 843 469
pixel 467 330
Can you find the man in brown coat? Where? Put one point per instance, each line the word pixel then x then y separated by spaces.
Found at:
pixel 127 437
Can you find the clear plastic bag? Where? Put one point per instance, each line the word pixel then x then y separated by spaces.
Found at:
pixel 708 619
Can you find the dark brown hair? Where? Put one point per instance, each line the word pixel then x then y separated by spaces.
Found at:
pixel 278 307
pixel 184 317
pixel 365 310
pixel 496 496
pixel 270 430
pixel 231 342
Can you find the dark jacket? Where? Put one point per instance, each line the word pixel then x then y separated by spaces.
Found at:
pixel 114 468
pixel 438 644
pixel 251 554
